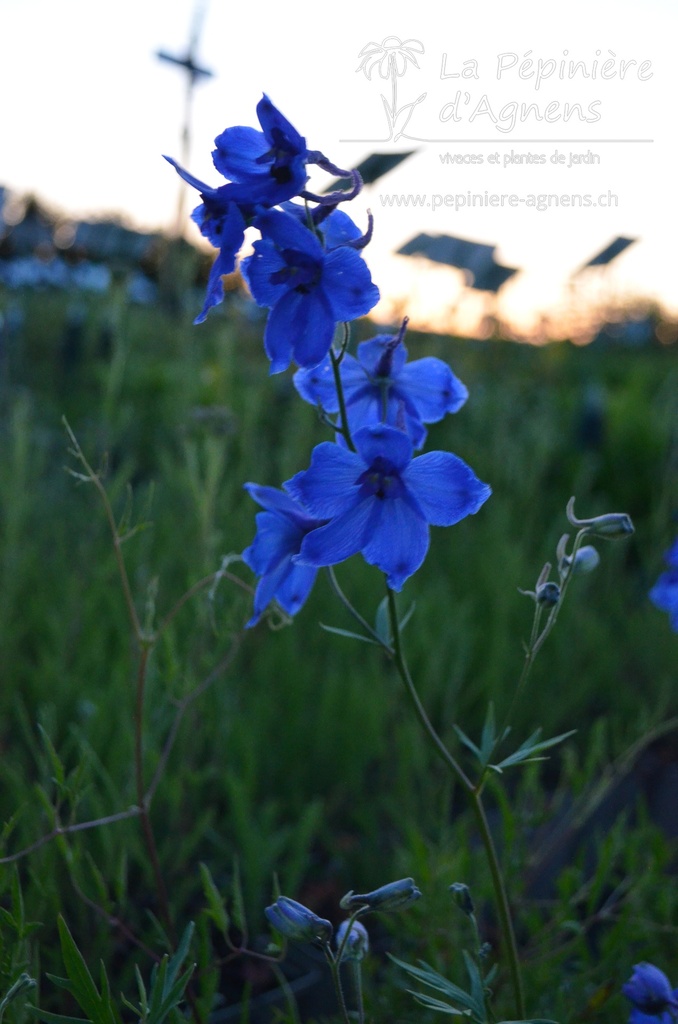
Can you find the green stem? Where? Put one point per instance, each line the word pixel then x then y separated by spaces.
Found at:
pixel 335 963
pixel 358 986
pixel 343 418
pixel 474 793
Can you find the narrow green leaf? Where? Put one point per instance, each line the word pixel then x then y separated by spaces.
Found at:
pixel 54 1018
pixel 407 616
pixel 488 736
pixel 54 760
pixel 181 953
pixel 382 622
pixel 477 987
pixel 437 1004
pixel 349 634
pixel 239 918
pixel 529 748
pixel 428 976
pixel 216 905
pixel 468 742
pixel 83 987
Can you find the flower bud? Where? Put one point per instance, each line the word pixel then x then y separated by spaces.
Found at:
pixel 297 922
pixel 586 560
pixel 610 526
pixel 548 594
pixel 462 897
pixel 387 897
pixel 357 945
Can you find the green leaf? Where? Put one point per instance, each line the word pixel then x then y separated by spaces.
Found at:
pixel 437 1004
pixel 239 918
pixel 529 748
pixel 349 634
pixel 98 1010
pixel 477 987
pixel 468 742
pixel 382 623
pixel 54 1018
pixel 217 907
pixel 427 976
pixel 488 736
pixel 54 760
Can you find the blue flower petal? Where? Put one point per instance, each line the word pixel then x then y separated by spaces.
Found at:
pixel 190 179
pixel 266 589
pixel 383 441
pixel 258 270
pixel 275 538
pixel 237 151
pixel 276 127
pixel 287 232
pixel 348 284
pixel 329 486
pixel 664 595
pixel 398 541
pixel 296 586
pixel 445 487
pixel 299 325
pixel 431 387
pixel 223 264
pixel 338 228
pixel 275 500
pixel 316 385
pixel 344 536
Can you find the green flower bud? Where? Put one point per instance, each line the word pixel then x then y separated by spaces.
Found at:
pixel 462 897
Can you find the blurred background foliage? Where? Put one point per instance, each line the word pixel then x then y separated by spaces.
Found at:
pixel 301 761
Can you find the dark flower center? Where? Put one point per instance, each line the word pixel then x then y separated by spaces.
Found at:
pixel 279 156
pixel 302 272
pixel 381 480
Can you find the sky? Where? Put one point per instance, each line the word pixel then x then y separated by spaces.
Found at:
pixel 490 108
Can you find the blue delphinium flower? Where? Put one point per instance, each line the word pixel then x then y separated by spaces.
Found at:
pixel 664 594
pixel 380 501
pixel 307 288
pixel 297 922
pixel 269 165
pixel 264 168
pixel 281 529
pixel 653 999
pixel 381 387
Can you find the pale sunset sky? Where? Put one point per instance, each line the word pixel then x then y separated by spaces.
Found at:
pixel 87 111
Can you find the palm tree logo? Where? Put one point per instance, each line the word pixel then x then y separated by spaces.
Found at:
pixel 391 56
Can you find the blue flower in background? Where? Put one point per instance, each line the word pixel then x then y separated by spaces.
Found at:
pixel 281 529
pixel 380 501
pixel 307 289
pixel 664 594
pixel 381 387
pixel 650 992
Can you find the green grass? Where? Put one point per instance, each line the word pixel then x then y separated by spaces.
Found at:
pixel 301 759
